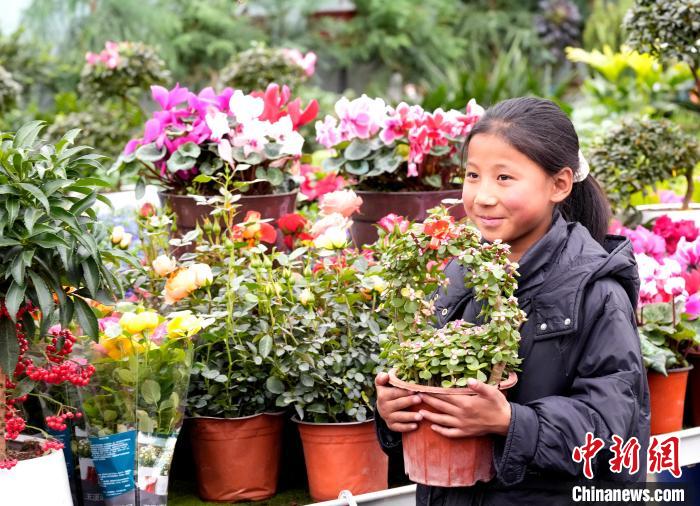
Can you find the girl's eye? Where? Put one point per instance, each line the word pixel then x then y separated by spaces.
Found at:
pixel 472 175
pixel 504 177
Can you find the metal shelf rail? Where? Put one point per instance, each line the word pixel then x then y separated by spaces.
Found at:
pixel 689 453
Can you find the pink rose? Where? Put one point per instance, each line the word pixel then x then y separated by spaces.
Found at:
pixel 334 220
pixel 344 202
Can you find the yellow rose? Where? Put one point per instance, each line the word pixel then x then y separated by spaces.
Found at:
pixel 306 296
pixel 183 324
pixel 119 347
pixel 126 240
pixel 332 238
pixel 135 323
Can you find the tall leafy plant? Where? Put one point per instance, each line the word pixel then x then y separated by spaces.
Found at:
pixel 49 255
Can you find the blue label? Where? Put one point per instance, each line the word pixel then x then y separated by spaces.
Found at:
pixel 64 436
pixel 114 458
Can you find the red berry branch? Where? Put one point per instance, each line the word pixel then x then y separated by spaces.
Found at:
pixel 50 363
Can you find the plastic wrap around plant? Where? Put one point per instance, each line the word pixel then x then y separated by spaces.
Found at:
pixel 136 406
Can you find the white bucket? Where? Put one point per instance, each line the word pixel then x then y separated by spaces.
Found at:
pixel 38 481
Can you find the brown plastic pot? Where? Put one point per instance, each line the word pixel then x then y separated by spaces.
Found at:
pixel 343 456
pixel 693 397
pixel 237 459
pixel 433 459
pixel 667 398
pixel 269 206
pixel 411 205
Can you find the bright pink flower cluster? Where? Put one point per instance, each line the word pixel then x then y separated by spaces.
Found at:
pixel 306 61
pixel 668 259
pixel 421 130
pixel 225 121
pixel 109 56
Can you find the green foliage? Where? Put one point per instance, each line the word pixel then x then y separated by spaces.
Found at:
pixel 666 336
pixel 49 253
pixel 416 39
pixel 502 58
pixel 255 68
pixel 668 30
pixel 604 24
pixel 10 91
pixel 638 153
pixel 413 264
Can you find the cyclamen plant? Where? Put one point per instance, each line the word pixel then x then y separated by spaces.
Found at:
pixel 186 145
pixel 403 148
pixel 413 257
pixel 668 258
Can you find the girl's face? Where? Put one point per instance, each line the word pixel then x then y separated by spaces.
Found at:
pixel 508 196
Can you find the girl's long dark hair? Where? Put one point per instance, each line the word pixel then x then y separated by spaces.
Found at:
pixel 540 130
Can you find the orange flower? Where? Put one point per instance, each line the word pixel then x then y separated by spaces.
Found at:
pixel 254 231
pixel 179 285
pixel 439 231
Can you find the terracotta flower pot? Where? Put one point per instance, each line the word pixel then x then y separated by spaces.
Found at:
pixel 269 206
pixel 343 456
pixel 667 397
pixel 411 205
pixel 433 459
pixel 237 459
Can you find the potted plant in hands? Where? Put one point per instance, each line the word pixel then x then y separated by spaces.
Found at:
pixel 332 310
pixel 454 359
pixel 405 160
pixel 50 260
pixel 196 137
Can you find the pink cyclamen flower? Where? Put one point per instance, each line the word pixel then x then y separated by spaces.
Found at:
pixel 327 132
pixel 169 99
pixel 674 286
pixel 692 306
pixel 360 118
pixel 343 202
pixel 645 241
pixel 669 197
pixel 688 253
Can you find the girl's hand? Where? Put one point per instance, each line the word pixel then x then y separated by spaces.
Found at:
pixel 392 404
pixel 457 416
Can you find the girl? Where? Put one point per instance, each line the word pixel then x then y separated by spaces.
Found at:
pixel 527 184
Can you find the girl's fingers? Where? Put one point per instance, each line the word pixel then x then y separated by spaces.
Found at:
pixel 403 427
pixel 448 432
pixel 442 405
pixel 405 417
pixel 440 419
pixel 401 403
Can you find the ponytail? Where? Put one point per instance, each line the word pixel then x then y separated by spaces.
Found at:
pixel 588 204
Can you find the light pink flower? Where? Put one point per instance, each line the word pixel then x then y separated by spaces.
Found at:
pixel 246 107
pixel 674 286
pixel 326 222
pixel 307 62
pixel 327 132
pixel 344 202
pixel 669 197
pixel 688 253
pixel 218 124
pixel 360 118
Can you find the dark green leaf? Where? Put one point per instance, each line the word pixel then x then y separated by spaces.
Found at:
pixel 15 298
pixel 43 294
pixel 274 385
pixel 9 347
pixel 27 134
pixel 358 149
pixel 86 318
pixel 37 194
pixel 150 153
pixel 189 149
pixel 92 276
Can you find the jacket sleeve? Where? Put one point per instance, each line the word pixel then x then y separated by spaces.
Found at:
pixel 605 398
pixel 389 440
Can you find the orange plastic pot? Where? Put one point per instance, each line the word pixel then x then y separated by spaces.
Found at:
pixel 433 459
pixel 343 456
pixel 667 398
pixel 237 459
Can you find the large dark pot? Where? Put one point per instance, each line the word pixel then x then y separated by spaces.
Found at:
pixel 269 206
pixel 411 205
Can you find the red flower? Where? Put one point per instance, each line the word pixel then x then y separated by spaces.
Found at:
pixel 276 106
pixel 291 223
pixel 147 210
pixel 692 281
pixel 673 231
pixel 391 221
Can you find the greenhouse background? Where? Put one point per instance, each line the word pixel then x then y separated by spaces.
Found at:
pixel 205 213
